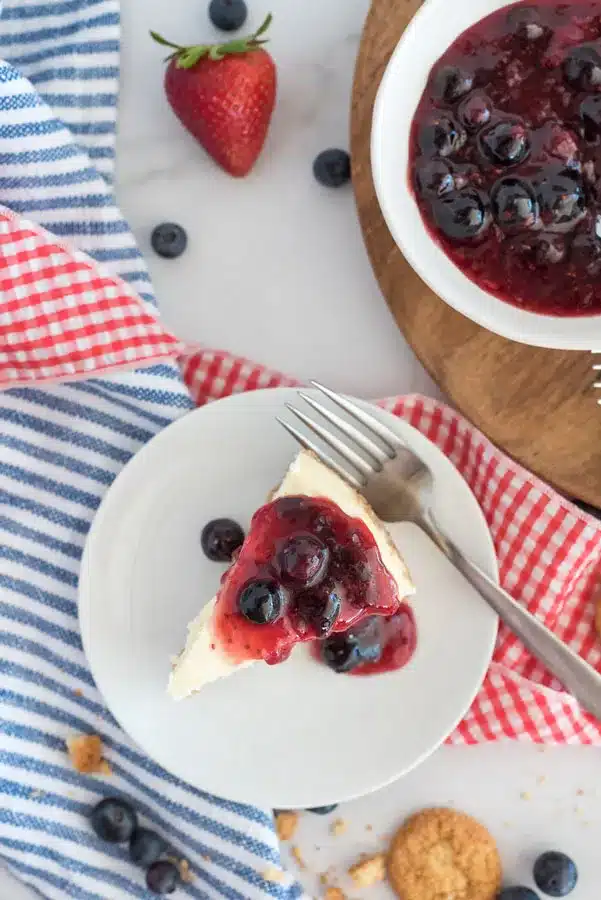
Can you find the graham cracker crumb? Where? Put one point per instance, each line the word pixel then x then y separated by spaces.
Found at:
pixel 334 893
pixel 338 827
pixel 323 878
pixel 369 827
pixel 524 795
pixel 541 779
pixel 206 858
pixel 183 867
pixel 580 792
pixel 286 824
pixel 273 874
pixel 296 854
pixel 78 692
pixel 369 870
pixel 85 753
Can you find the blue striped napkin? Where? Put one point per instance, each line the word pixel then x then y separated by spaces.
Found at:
pixel 60 449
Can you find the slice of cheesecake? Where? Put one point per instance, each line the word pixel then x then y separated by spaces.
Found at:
pixel 316 561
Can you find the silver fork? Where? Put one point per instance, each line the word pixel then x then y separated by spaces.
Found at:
pixel 398 485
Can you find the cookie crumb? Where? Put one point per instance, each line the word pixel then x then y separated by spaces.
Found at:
pixel 369 870
pixel 525 795
pixel 78 692
pixel 296 854
pixel 206 858
pixel 183 867
pixel 286 824
pixel 273 874
pixel 323 878
pixel 85 753
pixel 338 827
pixel 541 779
pixel 580 792
pixel 369 827
pixel 334 893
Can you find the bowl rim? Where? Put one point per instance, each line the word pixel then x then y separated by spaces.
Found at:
pixel 527 327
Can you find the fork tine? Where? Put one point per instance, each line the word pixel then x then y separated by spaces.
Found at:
pixel 391 440
pixel 377 455
pixel 347 453
pixel 298 436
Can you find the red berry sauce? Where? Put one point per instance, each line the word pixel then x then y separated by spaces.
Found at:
pixel 505 156
pixel 324 572
pixel 398 639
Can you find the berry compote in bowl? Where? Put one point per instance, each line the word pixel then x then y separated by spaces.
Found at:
pixel 486 155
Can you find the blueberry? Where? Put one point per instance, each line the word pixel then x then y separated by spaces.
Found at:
pixel 317 610
pixel 590 116
pixel 525 22
pixel 228 15
pixel 513 203
pixel 303 560
pixel 505 143
pixel 114 820
pixel 323 810
pixel 475 111
pixel 586 253
pixel 261 601
pixel 461 215
pixel 452 83
pixel 434 178
pixel 162 877
pixel 555 874
pixel 441 135
pixel 220 538
pixel 146 847
pixel 169 240
pixel 582 67
pixel 332 168
pixel 344 652
pixel 518 893
pixel 561 199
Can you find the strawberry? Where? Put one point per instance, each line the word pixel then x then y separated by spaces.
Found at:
pixel 224 94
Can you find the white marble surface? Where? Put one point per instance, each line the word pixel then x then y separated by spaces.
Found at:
pixel 276 270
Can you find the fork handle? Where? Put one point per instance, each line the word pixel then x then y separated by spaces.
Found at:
pixel 575 674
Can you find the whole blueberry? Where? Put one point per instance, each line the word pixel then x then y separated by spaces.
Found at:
pixel 462 215
pixel 303 560
pixel 441 135
pixel 518 893
pixel 451 83
pixel 505 143
pixel 475 111
pixel 220 538
pixel 228 15
pixel 434 178
pixel 525 22
pixel 262 601
pixel 344 652
pixel 162 877
pixel 332 168
pixel 114 820
pixel 534 250
pixel 513 203
pixel 561 199
pixel 582 67
pixel 146 847
pixel 555 874
pixel 323 810
pixel 169 240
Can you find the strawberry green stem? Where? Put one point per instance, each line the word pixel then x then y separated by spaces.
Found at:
pixel 186 57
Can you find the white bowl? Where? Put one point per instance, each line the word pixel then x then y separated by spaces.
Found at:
pixel 437 24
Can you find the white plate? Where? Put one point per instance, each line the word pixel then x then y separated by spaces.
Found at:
pixel 293 735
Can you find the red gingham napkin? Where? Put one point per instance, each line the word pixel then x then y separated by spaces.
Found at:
pixel 62 317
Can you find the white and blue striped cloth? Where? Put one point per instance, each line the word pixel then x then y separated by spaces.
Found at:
pixel 60 449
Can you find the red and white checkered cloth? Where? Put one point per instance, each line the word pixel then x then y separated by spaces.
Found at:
pixel 62 317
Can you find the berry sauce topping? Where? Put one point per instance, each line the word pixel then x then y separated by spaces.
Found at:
pixel 376 645
pixel 505 157
pixel 306 570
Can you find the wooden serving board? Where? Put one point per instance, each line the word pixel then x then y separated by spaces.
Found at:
pixel 537 405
